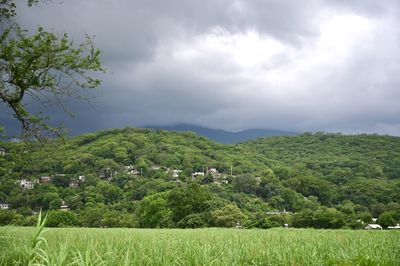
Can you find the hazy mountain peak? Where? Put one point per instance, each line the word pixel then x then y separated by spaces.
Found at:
pixel 224 136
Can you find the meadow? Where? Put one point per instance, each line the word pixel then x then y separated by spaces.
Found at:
pixel 95 246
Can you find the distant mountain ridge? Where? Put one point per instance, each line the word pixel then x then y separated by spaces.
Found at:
pixel 223 136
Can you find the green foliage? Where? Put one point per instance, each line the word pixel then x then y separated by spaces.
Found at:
pixel 62 219
pixel 7 9
pixel 91 217
pixel 184 201
pixel 389 218
pixel 327 218
pixel 194 220
pixel 9 217
pixel 278 173
pixel 228 216
pixel 42 66
pixel 245 183
pixel 154 213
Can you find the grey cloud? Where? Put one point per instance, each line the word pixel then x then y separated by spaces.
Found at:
pixel 367 7
pixel 130 30
pixel 147 83
pixel 286 20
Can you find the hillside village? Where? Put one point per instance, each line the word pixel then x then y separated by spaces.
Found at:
pixel 107 174
pixel 118 177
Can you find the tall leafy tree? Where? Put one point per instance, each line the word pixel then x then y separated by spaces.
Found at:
pixel 184 201
pixel 43 67
pixel 228 216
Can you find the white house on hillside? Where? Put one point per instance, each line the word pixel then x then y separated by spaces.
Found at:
pixel 26 184
pixel 396 227
pixel 278 212
pixel 64 207
pixel 46 179
pixel 213 171
pixel 175 173
pixel 4 206
pixel 373 226
pixel 75 182
pixel 195 174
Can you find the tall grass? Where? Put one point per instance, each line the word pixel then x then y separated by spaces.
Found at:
pixel 82 246
pixel 36 251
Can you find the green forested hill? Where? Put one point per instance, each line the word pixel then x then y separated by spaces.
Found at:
pixel 143 178
pixel 361 168
pixel 335 155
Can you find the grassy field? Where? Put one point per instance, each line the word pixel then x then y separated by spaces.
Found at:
pixel 83 246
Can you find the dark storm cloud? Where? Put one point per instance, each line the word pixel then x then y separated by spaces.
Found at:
pixel 294 65
pixel 131 29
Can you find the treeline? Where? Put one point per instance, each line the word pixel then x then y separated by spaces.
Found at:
pixel 143 178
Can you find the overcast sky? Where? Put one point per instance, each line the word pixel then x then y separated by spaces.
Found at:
pixel 312 65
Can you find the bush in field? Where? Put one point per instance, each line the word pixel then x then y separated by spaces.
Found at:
pixel 9 217
pixel 388 218
pixel 228 216
pixel 303 219
pixel 61 219
pixel 117 219
pixel 187 200
pixel 366 217
pixel 264 221
pixel 195 220
pixel 153 212
pixel 267 223
pixel 355 224
pixel 92 217
pixel 327 218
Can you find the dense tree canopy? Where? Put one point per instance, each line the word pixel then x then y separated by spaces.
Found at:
pixel 137 177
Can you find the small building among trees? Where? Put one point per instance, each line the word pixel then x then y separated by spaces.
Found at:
pixel 4 206
pixel 46 179
pixel 26 184
pixel 373 227
pixel 396 227
pixel 197 174
pixel 64 207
